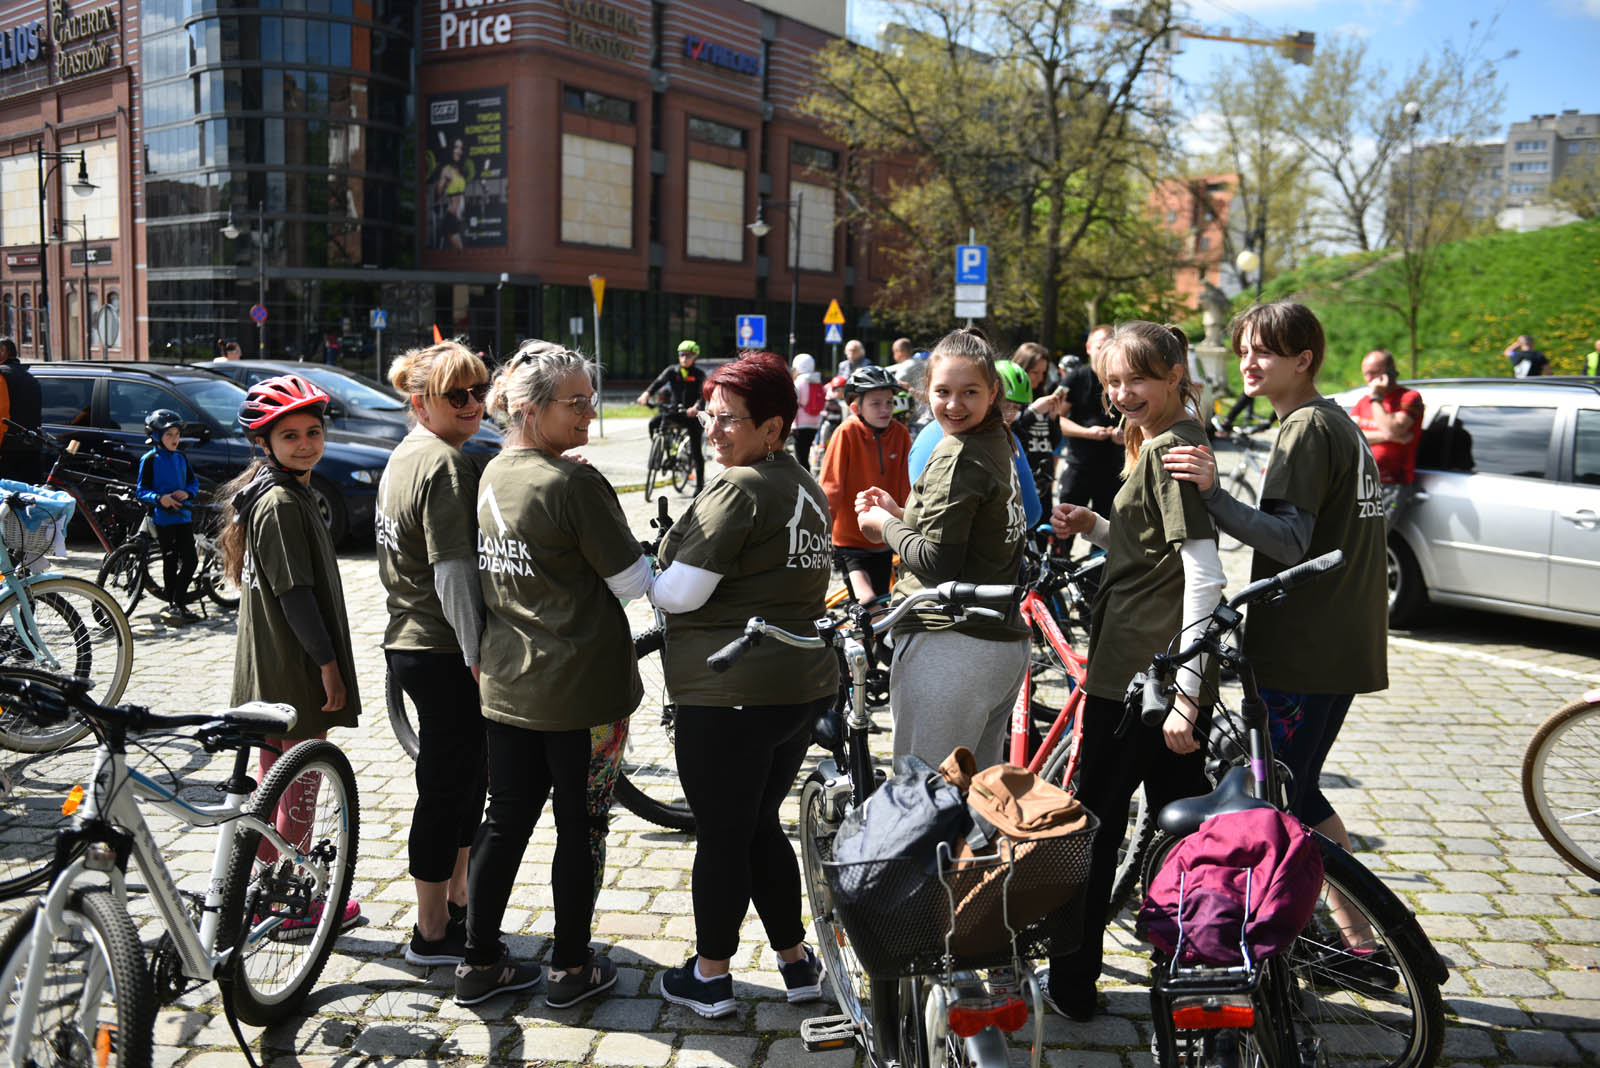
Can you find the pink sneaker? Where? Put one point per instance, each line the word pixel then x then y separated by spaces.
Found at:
pixel 290 929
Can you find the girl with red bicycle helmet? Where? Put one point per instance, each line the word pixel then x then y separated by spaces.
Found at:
pixel 294 637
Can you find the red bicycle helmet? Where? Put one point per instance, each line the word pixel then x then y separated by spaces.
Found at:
pixel 273 398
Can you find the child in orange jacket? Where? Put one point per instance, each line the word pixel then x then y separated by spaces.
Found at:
pixel 869 449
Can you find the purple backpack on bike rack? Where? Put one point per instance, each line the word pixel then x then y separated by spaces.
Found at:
pixel 1261 854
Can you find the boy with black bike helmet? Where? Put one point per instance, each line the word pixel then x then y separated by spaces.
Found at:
pixel 294 637
pixel 686 384
pixel 868 449
pixel 166 484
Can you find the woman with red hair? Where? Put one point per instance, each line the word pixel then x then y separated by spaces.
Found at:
pixel 755 543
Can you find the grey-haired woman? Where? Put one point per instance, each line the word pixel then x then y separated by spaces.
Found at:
pixel 555 562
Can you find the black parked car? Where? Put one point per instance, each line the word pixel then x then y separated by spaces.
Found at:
pixel 105 404
pixel 360 404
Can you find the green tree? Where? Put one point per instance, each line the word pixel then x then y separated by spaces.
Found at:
pixel 1029 124
pixel 1578 188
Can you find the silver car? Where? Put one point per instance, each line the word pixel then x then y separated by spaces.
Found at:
pixel 1506 516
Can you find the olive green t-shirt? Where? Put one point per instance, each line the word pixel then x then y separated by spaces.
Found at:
pixel 287 545
pixel 427 500
pixel 1139 609
pixel 557 652
pixel 764 527
pixel 1330 635
pixel 968 495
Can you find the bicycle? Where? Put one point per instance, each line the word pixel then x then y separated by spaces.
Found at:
pixel 1363 944
pixel 1249 471
pixel 671 452
pixel 1560 784
pixel 129 570
pixel 113 518
pixel 51 622
pixel 905 998
pixel 72 976
pixel 647 781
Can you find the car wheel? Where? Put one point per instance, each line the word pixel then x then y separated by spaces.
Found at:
pixel 331 504
pixel 1408 595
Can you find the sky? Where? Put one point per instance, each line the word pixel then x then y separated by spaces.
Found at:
pixel 1556 40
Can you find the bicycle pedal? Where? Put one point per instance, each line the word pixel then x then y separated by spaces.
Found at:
pixel 828 1032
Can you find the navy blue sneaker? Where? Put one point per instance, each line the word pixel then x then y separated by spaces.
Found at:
pixel 710 998
pixel 802 978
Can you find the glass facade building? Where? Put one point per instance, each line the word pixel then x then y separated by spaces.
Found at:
pixel 297 113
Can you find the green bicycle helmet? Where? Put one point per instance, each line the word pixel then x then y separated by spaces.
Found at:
pixel 1014 382
pixel 691 347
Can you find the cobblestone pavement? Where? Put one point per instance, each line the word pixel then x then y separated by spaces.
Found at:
pixel 1425 774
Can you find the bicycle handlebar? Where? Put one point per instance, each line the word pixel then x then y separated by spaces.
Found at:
pixel 71 448
pixel 55 702
pixel 952 597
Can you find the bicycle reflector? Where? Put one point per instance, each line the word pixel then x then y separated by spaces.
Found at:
pixel 1214 1013
pixel 1008 1015
pixel 74 799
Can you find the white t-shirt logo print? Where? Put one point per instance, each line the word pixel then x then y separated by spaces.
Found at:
pixel 808 546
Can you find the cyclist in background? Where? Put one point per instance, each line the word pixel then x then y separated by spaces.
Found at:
pixel 686 384
pixel 166 484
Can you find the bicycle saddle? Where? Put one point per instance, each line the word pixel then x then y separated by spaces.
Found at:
pixel 1184 817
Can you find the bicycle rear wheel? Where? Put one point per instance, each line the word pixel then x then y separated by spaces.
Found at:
pixel 682 463
pixel 123 574
pixel 653 464
pixel 647 782
pixel 96 1005
pixel 402 719
pixel 1239 486
pixel 1561 784
pixel 287 942
pixel 210 580
pixel 82 628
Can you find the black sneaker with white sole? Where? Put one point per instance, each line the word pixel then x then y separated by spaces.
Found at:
pixel 802 979
pixel 448 948
pixel 480 984
pixel 710 998
pixel 563 988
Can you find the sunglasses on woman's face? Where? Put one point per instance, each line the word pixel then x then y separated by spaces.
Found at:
pixel 458 397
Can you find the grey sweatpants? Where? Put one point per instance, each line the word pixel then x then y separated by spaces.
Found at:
pixel 948 689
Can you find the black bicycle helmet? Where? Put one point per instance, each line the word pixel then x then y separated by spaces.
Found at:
pixel 159 422
pixel 865 379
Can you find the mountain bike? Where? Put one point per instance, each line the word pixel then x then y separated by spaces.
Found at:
pixel 73 983
pixel 131 569
pixel 1360 983
pixel 647 780
pixel 1249 471
pixel 905 997
pixel 52 623
pixel 1561 782
pixel 671 452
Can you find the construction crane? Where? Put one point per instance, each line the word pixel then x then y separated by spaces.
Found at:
pixel 1297 47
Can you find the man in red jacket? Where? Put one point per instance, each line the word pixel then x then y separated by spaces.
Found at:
pixel 1390 417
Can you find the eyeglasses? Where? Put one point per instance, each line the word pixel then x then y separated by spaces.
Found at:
pixel 458 397
pixel 581 404
pixel 722 420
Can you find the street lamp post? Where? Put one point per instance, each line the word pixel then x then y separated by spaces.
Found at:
pixel 761 229
pixel 1413 113
pixel 83 304
pixel 83 187
pixel 232 231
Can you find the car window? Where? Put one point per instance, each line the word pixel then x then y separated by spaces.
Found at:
pixel 66 400
pixel 1492 440
pixel 218 398
pixel 128 402
pixel 1586 448
pixel 354 394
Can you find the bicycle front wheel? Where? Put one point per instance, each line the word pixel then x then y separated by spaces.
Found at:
pixel 210 580
pixel 647 782
pixel 1561 784
pixel 682 463
pixel 80 627
pixel 1241 489
pixel 653 465
pixel 291 910
pixel 123 574
pixel 96 1005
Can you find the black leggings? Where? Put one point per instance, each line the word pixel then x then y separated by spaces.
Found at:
pixel 451 775
pixel 178 559
pixel 1109 774
pixel 737 766
pixel 525 768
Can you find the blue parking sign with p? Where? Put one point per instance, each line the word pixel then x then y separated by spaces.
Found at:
pixel 972 265
pixel 752 331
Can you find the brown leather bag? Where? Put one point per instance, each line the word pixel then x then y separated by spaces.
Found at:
pixel 1041 827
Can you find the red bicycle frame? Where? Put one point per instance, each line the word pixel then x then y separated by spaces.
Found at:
pixel 1037 615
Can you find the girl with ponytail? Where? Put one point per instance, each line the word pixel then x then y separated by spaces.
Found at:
pixel 1162 575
